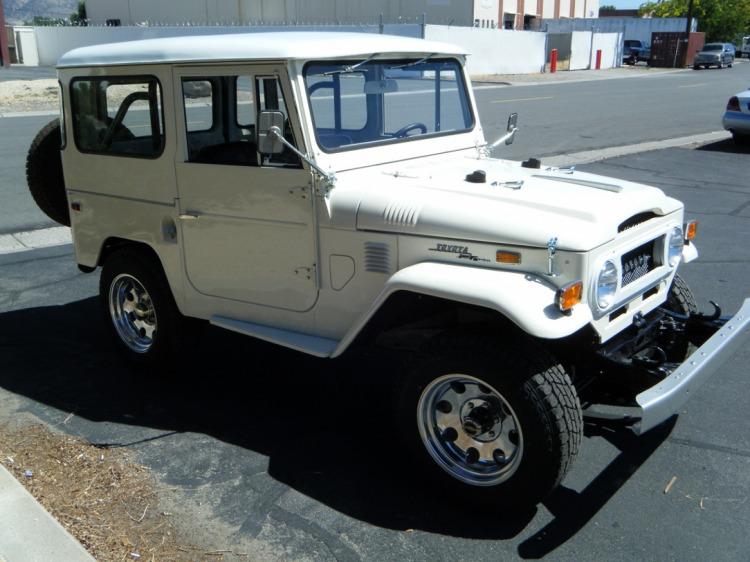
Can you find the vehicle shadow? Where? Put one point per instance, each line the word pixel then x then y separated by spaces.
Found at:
pixel 324 425
pixel 726 145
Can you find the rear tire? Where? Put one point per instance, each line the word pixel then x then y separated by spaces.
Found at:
pixel 140 311
pixel 520 459
pixel 44 173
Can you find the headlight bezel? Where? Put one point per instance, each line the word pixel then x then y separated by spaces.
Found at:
pixel 609 267
pixel 675 244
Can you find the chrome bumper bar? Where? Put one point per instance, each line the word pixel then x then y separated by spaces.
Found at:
pixel 664 399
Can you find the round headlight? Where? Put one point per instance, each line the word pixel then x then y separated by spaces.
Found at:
pixel 606 285
pixel 676 242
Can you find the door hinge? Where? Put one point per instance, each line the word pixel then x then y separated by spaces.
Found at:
pixel 300 191
pixel 305 271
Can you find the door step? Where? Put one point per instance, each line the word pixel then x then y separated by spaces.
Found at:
pixel 314 345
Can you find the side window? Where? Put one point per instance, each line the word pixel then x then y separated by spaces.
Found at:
pixel 199 105
pixel 243 93
pixel 119 116
pixel 220 117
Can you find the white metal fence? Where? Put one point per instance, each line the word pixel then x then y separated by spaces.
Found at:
pixel 492 51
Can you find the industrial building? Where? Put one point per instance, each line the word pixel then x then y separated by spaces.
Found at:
pixel 508 14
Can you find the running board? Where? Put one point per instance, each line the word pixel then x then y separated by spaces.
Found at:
pixel 314 345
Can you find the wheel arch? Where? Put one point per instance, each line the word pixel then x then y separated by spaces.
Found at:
pixel 520 299
pixel 115 243
pixel 171 272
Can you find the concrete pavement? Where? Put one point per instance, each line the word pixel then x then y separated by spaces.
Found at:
pixel 28 533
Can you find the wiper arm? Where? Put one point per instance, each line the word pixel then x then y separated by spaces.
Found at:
pixel 351 68
pixel 415 63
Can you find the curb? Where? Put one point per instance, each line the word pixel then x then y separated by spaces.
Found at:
pixel 28 533
pixel 591 156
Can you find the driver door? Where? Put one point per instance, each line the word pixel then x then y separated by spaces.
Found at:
pixel 246 220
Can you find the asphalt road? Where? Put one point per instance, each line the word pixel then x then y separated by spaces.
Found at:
pixel 277 454
pixel 280 455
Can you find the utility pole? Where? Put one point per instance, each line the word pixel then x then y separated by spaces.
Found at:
pixel 688 25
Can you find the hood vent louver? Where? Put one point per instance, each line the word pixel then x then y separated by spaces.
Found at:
pixel 399 213
pixel 377 257
pixel 635 220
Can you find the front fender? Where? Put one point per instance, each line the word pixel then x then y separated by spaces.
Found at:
pixel 529 301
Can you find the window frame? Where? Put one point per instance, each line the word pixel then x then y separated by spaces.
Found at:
pixel 125 78
pixel 463 92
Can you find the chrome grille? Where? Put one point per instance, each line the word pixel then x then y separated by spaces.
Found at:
pixel 638 262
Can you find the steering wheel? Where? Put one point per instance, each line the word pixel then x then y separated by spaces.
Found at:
pixel 411 126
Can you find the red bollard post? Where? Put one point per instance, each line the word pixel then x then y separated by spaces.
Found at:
pixel 598 59
pixel 553 61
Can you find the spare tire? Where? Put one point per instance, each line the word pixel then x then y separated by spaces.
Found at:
pixel 44 173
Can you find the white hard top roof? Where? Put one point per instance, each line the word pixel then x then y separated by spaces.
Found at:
pixel 251 46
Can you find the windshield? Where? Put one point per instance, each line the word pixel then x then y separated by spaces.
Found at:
pixel 375 102
pixel 713 47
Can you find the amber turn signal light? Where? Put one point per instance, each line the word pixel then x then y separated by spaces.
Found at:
pixel 501 256
pixel 569 295
pixel 690 230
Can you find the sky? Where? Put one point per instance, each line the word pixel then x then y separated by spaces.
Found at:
pixel 622 4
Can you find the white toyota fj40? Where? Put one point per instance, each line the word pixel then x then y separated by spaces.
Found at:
pixel 315 189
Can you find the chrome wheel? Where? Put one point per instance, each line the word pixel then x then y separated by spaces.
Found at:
pixel 132 312
pixel 470 430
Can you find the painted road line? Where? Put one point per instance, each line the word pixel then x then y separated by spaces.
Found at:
pixel 34 239
pixel 694 85
pixel 589 156
pixel 524 99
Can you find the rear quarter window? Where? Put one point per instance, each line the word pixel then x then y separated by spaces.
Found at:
pixel 120 116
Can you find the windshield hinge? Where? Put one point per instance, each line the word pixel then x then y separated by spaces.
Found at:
pixel 324 184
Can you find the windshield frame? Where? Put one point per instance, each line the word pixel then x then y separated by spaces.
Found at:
pixel 463 92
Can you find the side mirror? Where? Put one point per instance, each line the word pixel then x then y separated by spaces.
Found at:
pixel 512 127
pixel 269 125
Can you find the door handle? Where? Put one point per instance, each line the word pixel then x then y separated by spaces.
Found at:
pixel 188 217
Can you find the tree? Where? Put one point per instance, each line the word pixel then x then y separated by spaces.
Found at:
pixel 607 8
pixel 79 16
pixel 721 20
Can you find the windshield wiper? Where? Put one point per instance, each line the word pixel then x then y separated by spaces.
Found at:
pixel 415 63
pixel 351 68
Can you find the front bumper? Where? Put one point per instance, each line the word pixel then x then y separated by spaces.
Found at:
pixel 658 403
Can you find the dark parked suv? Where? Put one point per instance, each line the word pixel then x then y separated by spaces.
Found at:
pixel 635 50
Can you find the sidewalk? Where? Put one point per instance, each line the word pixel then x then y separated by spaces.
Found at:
pixel 28 533
pixel 573 76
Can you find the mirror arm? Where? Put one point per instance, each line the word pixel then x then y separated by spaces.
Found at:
pixel 328 176
pixel 502 139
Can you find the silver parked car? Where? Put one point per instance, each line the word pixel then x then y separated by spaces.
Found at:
pixel 737 117
pixel 715 54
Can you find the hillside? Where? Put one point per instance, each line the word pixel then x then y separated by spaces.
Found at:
pixel 18 11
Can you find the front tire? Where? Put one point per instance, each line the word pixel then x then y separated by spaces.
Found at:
pixel 682 301
pixel 140 311
pixel 491 421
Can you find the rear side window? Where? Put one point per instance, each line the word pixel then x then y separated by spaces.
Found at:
pixel 118 116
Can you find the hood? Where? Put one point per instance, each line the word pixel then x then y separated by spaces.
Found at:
pixel 516 205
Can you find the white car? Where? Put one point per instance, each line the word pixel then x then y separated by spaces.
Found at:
pixel 737 117
pixel 324 191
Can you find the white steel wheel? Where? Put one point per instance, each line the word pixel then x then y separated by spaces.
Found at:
pixel 470 430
